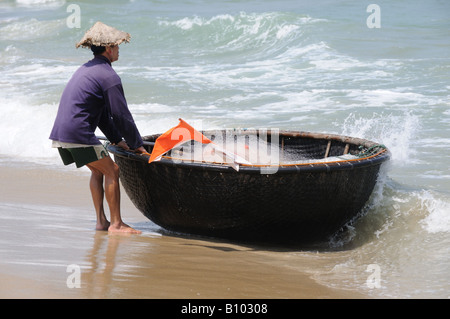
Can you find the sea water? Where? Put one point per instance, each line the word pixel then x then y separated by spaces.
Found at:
pixel 377 72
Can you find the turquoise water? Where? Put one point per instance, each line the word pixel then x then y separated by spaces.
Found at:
pixel 300 65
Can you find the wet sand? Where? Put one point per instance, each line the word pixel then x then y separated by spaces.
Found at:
pixel 47 224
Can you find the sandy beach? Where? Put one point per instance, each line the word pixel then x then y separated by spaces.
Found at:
pixel 47 223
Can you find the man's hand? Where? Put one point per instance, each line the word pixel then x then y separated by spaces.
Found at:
pixel 123 145
pixel 141 150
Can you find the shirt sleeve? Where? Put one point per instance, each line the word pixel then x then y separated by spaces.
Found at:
pixel 106 125
pixel 121 116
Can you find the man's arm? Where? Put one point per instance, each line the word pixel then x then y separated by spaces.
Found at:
pixel 106 125
pixel 122 118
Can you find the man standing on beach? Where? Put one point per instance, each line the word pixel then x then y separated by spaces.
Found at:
pixel 94 98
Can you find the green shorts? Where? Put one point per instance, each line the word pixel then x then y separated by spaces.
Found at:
pixel 82 155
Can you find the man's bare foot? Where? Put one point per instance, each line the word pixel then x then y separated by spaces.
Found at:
pixel 102 225
pixel 123 228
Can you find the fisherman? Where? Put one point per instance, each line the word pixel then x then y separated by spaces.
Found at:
pixel 94 98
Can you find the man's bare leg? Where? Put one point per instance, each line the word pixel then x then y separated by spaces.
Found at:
pixel 96 186
pixel 110 171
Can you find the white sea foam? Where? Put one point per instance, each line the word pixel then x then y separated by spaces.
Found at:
pixel 225 33
pixel 25 129
pixel 397 132
pixel 40 3
pixel 438 212
pixel 31 29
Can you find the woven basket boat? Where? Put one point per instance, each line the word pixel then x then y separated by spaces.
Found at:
pixel 297 201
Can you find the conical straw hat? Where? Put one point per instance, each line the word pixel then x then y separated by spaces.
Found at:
pixel 103 35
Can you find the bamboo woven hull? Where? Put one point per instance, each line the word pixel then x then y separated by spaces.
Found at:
pixel 298 203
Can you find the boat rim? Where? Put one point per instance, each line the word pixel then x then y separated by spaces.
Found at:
pixel 381 155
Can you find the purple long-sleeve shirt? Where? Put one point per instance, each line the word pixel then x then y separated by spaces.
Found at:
pixel 94 98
